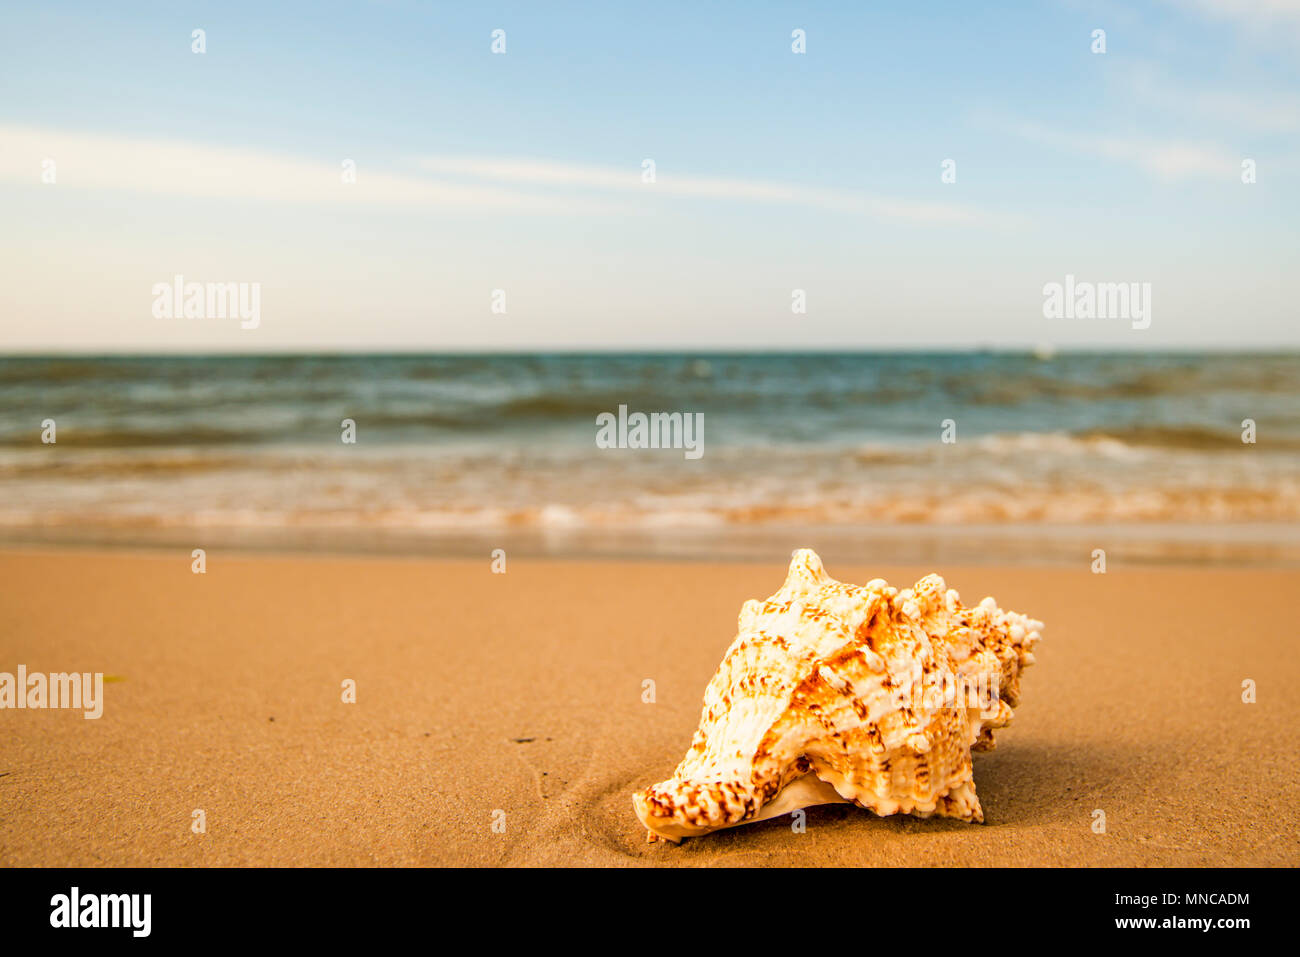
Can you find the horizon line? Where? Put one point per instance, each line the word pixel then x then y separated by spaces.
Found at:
pixel 1045 351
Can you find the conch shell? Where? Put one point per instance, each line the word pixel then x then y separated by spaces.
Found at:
pixel 842 693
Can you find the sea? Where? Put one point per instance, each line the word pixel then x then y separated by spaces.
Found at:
pixel 870 457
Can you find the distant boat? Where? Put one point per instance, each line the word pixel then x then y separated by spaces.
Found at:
pixel 1044 352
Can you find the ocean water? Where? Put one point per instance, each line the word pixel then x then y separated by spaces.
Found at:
pixel 1052 456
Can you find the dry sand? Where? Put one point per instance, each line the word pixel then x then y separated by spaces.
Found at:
pixel 522 692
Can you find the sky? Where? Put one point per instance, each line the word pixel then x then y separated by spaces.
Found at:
pixel 500 200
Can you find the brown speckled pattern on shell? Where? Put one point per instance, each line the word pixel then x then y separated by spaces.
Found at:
pixel 826 679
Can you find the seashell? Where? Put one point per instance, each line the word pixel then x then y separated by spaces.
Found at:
pixel 843 693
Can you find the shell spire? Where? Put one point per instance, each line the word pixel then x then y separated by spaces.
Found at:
pixel 833 692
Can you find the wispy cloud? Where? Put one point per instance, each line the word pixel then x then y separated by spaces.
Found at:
pixel 93 161
pixel 1261 19
pixel 1259 110
pixel 168 167
pixel 545 173
pixel 1165 159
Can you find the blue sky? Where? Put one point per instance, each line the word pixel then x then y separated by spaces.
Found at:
pixel 774 171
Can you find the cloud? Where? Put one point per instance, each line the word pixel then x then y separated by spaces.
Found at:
pixel 546 173
pixel 1166 159
pixel 1259 110
pixel 1262 19
pixel 92 161
pixel 1260 12
pixel 479 184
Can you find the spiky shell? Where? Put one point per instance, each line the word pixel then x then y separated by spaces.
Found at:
pixel 836 692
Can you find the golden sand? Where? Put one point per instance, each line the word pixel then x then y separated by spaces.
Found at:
pixel 522 693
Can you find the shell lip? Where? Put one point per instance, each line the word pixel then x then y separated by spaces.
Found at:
pixel 808 790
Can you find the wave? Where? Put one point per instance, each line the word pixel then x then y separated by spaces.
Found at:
pixel 1190 437
pixel 136 438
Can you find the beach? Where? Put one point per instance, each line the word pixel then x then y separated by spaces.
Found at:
pixel 517 699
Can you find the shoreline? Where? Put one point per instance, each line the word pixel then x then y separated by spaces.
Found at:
pixel 1178 544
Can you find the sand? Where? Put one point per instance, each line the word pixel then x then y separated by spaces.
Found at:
pixel 522 693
